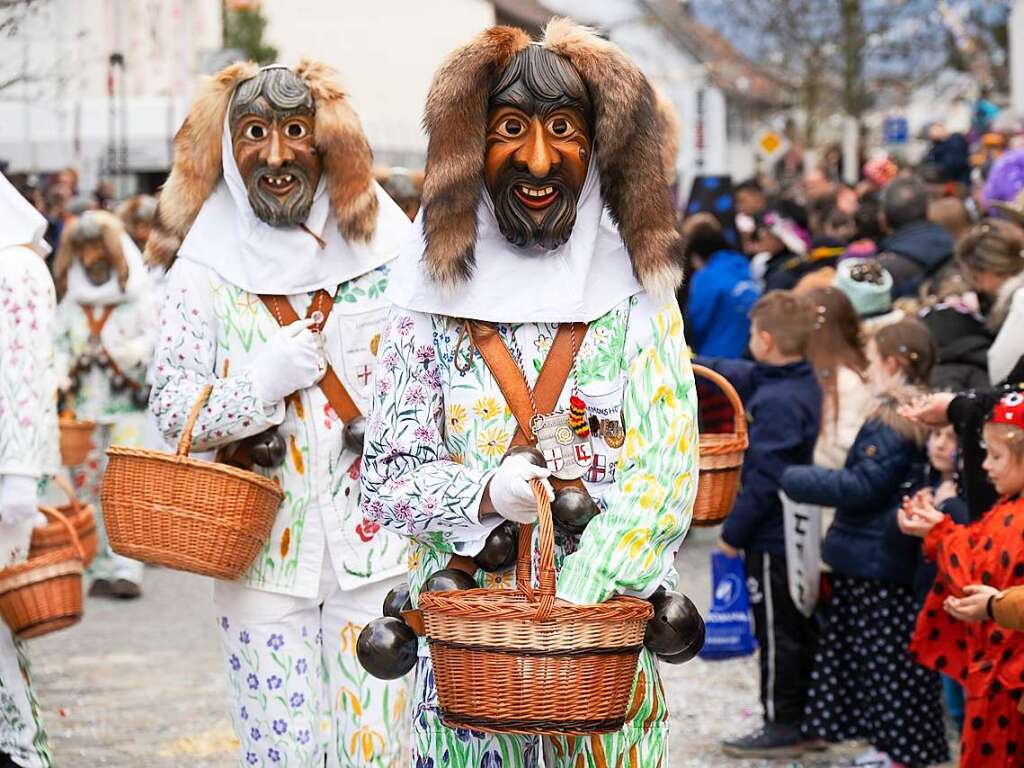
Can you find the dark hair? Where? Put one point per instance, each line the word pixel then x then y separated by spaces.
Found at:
pixel 905 201
pixel 703 236
pixel 994 246
pixel 790 209
pixel 748 185
pixel 910 343
pixel 536 78
pixel 866 217
pixel 787 318
pixel 836 341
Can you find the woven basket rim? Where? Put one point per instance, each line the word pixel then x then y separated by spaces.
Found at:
pixel 511 604
pixel 77 426
pixel 42 568
pixel 223 470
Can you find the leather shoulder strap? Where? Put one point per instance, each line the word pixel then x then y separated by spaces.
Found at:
pixel 96 324
pixel 282 311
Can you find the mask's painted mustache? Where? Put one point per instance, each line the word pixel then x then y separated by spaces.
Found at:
pixel 517 193
pixel 98 272
pixel 281 196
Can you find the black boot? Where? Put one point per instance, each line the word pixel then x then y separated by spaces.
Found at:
pixel 772 740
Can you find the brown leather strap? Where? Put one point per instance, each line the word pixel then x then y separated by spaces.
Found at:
pixel 550 381
pixel 96 323
pixel 282 311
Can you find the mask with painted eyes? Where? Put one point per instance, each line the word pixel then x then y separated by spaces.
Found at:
pixel 539 136
pixel 271 124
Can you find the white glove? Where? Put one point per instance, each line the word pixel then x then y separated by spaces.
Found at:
pixel 18 500
pixel 511 492
pixel 290 360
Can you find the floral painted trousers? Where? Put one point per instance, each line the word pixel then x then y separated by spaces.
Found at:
pixel 87 480
pixel 640 744
pixel 297 690
pixel 22 737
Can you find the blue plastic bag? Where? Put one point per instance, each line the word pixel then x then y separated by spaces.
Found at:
pixel 728 632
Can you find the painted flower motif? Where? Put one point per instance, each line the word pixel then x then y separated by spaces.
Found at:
pixel 224 622
pixel 456 419
pixel 403 510
pixel 390 360
pixel 303 736
pixel 254 682
pixel 424 433
pixel 367 529
pixel 300 667
pixel 366 743
pixel 486 408
pixel 243 713
pixel 491 442
pixel 243 637
pixel 280 727
pixel 491 760
pixel 254 734
pixel 275 641
pixel 542 343
pixel 383 387
pixel 274 755
pixel 425 354
pixel 415 396
pixel 297 700
pixel 250 758
pixel 274 682
pixel 405 325
pixel 235 663
pixel 424 762
pixel 349 636
pixel 373 509
pixel 430 504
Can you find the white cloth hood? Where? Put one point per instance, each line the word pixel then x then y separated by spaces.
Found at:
pixel 579 281
pixel 84 292
pixel 228 238
pixel 20 222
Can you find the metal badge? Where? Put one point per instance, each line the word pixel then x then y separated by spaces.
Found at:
pixel 568 455
pixel 613 433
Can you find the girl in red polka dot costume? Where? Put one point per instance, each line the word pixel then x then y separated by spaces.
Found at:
pixel 955 632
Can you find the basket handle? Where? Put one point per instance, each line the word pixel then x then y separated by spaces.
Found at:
pixel 65 486
pixel 545 597
pixel 739 418
pixel 52 512
pixel 185 443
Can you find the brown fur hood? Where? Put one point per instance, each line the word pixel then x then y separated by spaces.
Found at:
pixel 886 410
pixel 629 138
pixel 347 159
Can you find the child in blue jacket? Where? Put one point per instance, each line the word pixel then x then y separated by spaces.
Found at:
pixel 783 403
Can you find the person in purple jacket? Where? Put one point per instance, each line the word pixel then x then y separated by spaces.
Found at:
pixel 783 403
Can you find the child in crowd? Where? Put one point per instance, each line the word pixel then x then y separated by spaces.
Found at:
pixel 783 403
pixel 864 684
pixel 975 562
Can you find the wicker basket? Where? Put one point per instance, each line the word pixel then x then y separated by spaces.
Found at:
pixel 44 594
pixel 187 514
pixel 721 459
pixel 75 439
pixel 46 538
pixel 515 661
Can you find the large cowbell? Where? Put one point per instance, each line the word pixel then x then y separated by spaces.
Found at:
pixel 568 455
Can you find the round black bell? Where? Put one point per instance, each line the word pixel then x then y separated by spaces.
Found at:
pixel 397 601
pixel 448 580
pixel 140 397
pixel 387 648
pixel 675 627
pixel 690 651
pixel 353 434
pixel 535 456
pixel 572 509
pixel 85 362
pixel 118 383
pixel 268 449
pixel 500 550
pixel 103 359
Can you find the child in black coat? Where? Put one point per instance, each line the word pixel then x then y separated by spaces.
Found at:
pixel 783 404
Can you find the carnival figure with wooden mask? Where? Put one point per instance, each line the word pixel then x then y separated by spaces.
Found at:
pixel 546 230
pixel 278 242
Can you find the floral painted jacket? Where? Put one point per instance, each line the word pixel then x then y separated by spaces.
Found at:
pixel 436 435
pixel 210 330
pixel 28 379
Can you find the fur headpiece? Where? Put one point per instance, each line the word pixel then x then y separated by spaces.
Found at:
pixel 628 143
pixel 347 159
pixel 90 227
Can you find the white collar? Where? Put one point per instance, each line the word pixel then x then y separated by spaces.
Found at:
pixel 20 222
pixel 82 291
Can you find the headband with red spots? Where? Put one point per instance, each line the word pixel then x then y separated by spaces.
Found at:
pixel 1009 410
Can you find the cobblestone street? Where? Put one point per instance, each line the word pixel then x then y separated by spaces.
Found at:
pixel 139 685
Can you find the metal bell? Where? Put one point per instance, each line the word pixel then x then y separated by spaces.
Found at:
pixel 533 455
pixel 572 509
pixel 353 435
pixel 118 383
pixel 140 397
pixel 268 449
